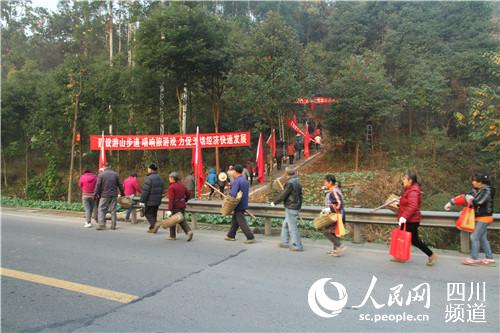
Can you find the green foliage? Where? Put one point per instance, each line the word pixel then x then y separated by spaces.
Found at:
pixel 366 96
pixel 426 69
pixel 46 204
pixel 46 185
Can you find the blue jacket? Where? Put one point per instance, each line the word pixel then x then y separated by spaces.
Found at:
pixel 212 177
pixel 240 184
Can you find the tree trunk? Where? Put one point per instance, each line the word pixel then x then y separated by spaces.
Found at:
pixel 4 170
pixel 216 112
pixel 129 44
pixel 184 109
pixel 73 137
pixel 178 91
pixel 26 166
pixel 110 31
pixel 72 153
pixel 410 123
pixel 356 167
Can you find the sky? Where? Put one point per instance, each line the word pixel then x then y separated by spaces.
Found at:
pixel 49 4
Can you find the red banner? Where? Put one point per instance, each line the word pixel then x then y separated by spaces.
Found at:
pixel 169 141
pixel 294 126
pixel 315 100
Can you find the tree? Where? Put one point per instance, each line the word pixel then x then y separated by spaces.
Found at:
pixel 265 79
pixel 365 96
pixel 176 42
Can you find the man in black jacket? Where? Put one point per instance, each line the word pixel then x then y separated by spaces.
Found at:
pixel 108 182
pixel 292 198
pixel 152 193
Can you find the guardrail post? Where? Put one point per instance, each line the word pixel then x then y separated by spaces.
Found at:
pixel 267 226
pixel 357 233
pixel 134 215
pixel 464 242
pixel 194 221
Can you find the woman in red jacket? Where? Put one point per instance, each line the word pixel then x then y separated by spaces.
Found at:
pixel 409 213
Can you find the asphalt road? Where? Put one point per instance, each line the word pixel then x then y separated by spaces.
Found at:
pixel 213 285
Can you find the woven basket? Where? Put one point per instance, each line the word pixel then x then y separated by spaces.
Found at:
pixel 172 220
pixel 324 220
pixel 394 205
pixel 125 202
pixel 230 203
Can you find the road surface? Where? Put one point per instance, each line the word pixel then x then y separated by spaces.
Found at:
pixel 59 277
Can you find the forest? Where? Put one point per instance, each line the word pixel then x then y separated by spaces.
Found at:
pixel 424 76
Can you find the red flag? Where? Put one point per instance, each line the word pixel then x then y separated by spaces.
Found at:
pixel 295 119
pixel 306 142
pixel 102 154
pixel 197 162
pixel 271 142
pixel 260 160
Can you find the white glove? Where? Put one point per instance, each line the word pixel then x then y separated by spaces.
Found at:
pixel 401 220
pixel 141 204
pixel 448 206
pixel 325 211
pixel 169 213
pixel 469 198
pixel 272 204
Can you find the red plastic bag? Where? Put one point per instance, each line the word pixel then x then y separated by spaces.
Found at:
pixel 400 244
pixel 466 220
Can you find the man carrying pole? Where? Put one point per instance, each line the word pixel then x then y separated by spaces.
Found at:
pixel 292 198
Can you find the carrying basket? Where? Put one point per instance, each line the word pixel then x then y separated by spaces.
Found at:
pixel 125 202
pixel 230 203
pixel 172 220
pixel 324 220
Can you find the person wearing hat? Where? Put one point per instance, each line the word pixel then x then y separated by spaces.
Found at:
pixel 152 193
pixel 178 196
pixel 106 191
pixel 222 182
pixel 292 198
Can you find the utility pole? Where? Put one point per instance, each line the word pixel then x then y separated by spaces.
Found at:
pixel 162 108
pixel 184 109
pixel 110 34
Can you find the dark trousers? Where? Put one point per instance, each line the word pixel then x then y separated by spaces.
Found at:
pixel 290 159
pixel 327 232
pixel 279 159
pixel 185 227
pixel 415 240
pixel 151 213
pixel 240 221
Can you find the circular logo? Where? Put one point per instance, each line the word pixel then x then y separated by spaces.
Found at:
pixel 321 304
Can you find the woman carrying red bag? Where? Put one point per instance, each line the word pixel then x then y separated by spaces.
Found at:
pixel 409 213
pixel 481 198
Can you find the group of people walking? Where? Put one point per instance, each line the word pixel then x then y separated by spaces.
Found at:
pixel 101 192
pixel 100 196
pixel 481 197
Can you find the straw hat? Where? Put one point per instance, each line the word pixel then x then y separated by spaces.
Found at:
pixel 222 176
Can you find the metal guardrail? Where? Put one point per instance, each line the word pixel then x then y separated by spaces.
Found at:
pixel 357 217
